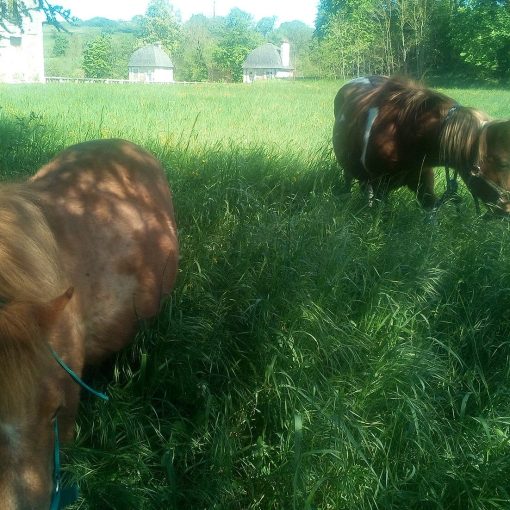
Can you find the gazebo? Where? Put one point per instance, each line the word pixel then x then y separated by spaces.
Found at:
pixel 151 64
pixel 267 62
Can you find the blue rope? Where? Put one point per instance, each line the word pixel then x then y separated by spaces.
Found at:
pixel 76 378
pixel 55 499
pixel 72 493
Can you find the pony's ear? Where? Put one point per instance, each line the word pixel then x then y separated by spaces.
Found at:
pixel 48 313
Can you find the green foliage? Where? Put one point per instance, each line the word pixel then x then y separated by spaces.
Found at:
pixel 60 44
pixel 123 41
pixel 265 26
pixel 98 57
pixel 122 49
pixel 481 36
pixel 237 39
pixel 413 37
pixel 349 38
pixel 194 60
pixel 299 36
pixel 14 11
pixel 326 9
pixel 198 68
pixel 161 24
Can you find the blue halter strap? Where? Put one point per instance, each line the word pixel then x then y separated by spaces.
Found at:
pixel 63 497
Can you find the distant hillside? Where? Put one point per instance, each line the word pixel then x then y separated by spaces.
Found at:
pixel 63 51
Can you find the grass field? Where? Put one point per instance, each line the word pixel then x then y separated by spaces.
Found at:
pixel 314 355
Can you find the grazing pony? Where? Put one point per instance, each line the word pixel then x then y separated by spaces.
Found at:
pixel 392 132
pixel 87 247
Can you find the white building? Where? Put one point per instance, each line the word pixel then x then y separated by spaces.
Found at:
pixel 267 62
pixel 21 49
pixel 151 64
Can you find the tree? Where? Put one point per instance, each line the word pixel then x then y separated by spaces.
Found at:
pixel 13 11
pixel 60 44
pixel 98 57
pixel 325 11
pixel 481 37
pixel 238 38
pixel 384 36
pixel 299 36
pixel 265 26
pixel 350 41
pixel 161 24
pixel 194 60
pixel 198 70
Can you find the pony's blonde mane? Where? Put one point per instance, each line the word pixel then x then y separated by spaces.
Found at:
pixel 23 360
pixel 29 274
pixel 28 250
pixel 460 140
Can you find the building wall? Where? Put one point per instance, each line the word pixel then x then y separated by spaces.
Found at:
pixel 251 75
pixel 285 54
pixel 22 53
pixel 285 74
pixel 151 75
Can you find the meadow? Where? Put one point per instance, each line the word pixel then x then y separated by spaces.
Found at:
pixel 314 354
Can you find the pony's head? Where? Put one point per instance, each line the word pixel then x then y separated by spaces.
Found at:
pixel 33 394
pixel 489 178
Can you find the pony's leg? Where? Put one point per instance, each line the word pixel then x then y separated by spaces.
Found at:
pixel 348 178
pixel 422 183
pixel 374 192
pixel 368 191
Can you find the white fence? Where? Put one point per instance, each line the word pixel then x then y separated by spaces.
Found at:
pixel 63 79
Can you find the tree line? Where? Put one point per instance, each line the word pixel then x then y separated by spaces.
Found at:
pixel 202 49
pixel 465 38
pixel 461 38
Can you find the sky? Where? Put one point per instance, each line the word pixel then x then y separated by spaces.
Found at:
pixel 284 10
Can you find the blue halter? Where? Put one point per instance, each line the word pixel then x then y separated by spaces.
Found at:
pixel 64 497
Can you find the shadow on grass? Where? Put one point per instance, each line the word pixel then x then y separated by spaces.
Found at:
pixel 25 145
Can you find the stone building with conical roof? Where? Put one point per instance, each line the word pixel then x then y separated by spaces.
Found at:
pixel 151 64
pixel 267 62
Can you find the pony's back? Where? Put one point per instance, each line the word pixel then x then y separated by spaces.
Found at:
pixel 109 206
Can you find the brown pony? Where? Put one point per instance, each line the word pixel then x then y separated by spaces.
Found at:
pixel 87 247
pixel 392 132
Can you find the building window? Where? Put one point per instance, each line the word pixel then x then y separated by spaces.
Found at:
pixel 15 41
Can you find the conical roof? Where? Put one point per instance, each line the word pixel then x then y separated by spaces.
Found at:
pixel 265 56
pixel 150 56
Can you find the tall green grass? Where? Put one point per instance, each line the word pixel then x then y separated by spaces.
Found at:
pixel 314 354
